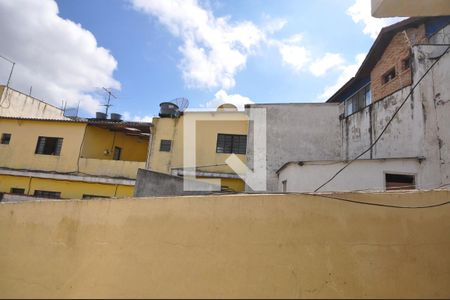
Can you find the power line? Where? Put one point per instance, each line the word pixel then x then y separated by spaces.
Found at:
pixel 387 124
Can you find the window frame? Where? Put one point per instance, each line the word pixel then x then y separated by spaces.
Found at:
pixel 6 138
pixel 411 187
pixel 165 145
pixel 231 147
pixel 57 147
pixel 385 78
pixel 115 151
pixel 47 194
pixel 349 104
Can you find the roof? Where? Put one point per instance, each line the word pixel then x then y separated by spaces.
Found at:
pixel 376 51
pixel 131 128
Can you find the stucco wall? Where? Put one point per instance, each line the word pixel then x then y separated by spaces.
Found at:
pixel 265 246
pixel 360 176
pixel 16 104
pixel 297 131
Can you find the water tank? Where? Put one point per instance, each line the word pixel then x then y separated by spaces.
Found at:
pixel 100 115
pixel 116 117
pixel 168 110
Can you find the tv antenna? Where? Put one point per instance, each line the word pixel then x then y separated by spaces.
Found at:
pixel 108 105
pixel 182 103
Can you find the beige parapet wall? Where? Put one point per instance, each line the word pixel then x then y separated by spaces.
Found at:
pixel 247 246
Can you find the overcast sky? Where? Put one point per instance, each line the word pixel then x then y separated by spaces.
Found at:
pixel 211 51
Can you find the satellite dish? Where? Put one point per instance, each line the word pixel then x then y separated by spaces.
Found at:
pixel 182 103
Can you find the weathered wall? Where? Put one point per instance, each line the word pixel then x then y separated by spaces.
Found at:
pixel 151 183
pixel 361 175
pixel 260 246
pixel 17 104
pixel 296 132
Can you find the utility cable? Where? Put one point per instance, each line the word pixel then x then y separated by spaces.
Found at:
pixel 387 124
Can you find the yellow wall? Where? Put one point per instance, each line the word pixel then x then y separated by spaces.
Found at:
pixel 20 153
pixel 2 88
pixel 206 140
pixel 242 246
pixel 68 189
pixel 97 140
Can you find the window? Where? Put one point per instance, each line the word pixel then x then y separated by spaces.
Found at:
pixel 6 138
pixel 231 143
pixel 117 153
pixel 88 196
pixel 47 194
pixel 358 101
pixel 389 76
pixel 165 145
pixel 284 183
pixel 49 145
pixel 17 191
pixel 400 182
pixel 406 63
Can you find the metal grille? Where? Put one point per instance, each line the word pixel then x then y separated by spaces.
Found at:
pixel 231 143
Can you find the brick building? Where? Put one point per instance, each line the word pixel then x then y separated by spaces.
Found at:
pixel 414 149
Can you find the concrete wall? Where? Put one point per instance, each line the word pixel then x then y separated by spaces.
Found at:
pixel 360 176
pixel 17 104
pixel 296 132
pixel 151 183
pixel 257 246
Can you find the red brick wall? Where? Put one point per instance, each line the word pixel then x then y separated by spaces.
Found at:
pixel 397 50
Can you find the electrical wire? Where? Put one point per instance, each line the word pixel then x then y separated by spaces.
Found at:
pixel 387 124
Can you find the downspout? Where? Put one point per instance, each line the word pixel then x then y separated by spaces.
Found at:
pixel 149 150
pixel 29 186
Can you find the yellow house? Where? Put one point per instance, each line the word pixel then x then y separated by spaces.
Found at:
pixel 71 158
pixel 218 134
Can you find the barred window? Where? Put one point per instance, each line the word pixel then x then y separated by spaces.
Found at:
pixel 6 138
pixel 165 145
pixel 231 143
pixel 47 194
pixel 49 145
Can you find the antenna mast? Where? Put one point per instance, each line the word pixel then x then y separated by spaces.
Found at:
pixel 108 105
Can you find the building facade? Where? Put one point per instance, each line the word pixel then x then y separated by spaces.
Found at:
pixel 78 159
pixel 212 137
pixel 413 150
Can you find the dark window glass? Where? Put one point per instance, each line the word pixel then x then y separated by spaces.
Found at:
pixel 231 143
pixel 406 63
pixel 388 76
pixel 47 194
pixel 400 182
pixel 165 145
pixel 6 138
pixel 49 145
pixel 17 191
pixel 117 153
pixel 358 101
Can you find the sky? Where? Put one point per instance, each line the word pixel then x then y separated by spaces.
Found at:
pixel 208 51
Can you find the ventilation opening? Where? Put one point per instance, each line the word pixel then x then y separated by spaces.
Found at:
pixel 400 182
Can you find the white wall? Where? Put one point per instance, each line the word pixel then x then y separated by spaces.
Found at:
pixel 360 175
pixel 16 104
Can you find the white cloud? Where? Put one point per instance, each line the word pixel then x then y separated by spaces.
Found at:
pixel 222 97
pixel 329 61
pixel 360 12
pixel 128 117
pixel 214 49
pixel 293 54
pixel 59 58
pixel 347 72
